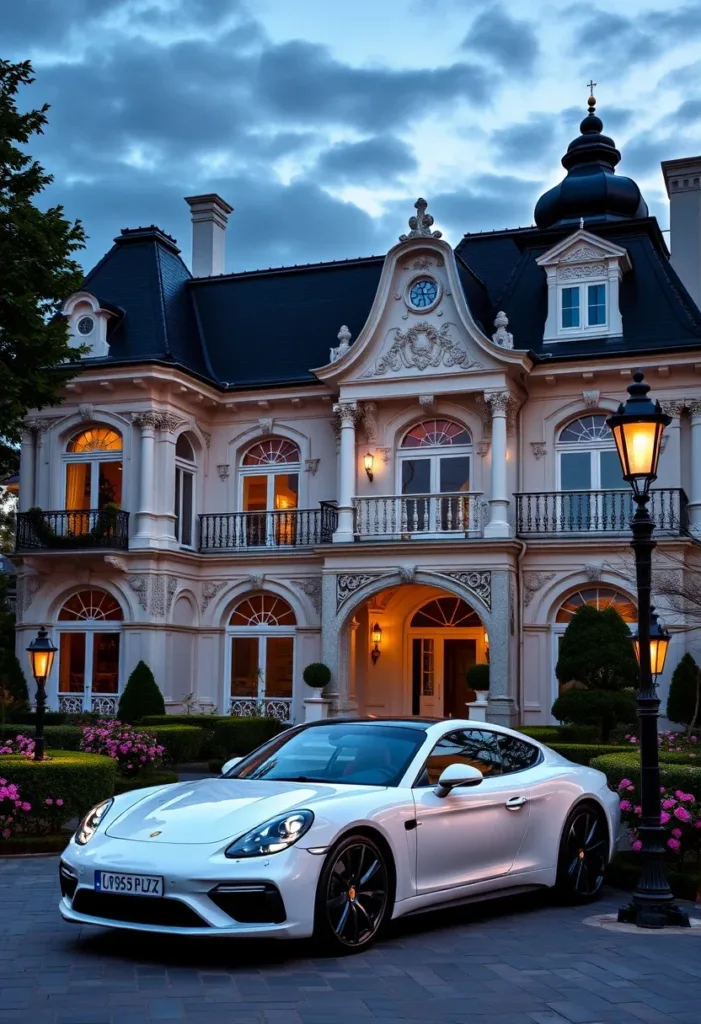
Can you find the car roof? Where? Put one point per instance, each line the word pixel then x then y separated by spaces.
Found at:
pixel 418 723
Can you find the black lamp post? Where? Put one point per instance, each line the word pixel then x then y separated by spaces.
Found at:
pixel 41 657
pixel 637 430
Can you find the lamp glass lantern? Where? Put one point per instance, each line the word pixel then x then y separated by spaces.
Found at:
pixel 659 645
pixel 369 463
pixel 637 429
pixel 41 655
pixel 376 637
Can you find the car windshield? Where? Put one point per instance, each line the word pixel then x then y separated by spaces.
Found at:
pixel 351 753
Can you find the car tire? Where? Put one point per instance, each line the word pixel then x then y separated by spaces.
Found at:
pixel 354 897
pixel 583 855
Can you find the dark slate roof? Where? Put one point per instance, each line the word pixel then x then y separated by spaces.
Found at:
pixel 658 313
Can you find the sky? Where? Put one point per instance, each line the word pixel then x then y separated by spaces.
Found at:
pixel 322 121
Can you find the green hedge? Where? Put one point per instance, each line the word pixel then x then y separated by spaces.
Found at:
pixel 182 742
pixel 583 753
pixel 206 723
pixel 144 781
pixel 236 737
pixel 29 717
pixel 80 780
pixel 560 733
pixel 57 737
pixel 673 774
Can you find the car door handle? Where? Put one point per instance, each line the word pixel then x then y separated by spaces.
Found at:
pixel 515 803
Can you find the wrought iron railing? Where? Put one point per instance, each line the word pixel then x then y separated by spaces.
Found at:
pixel 589 512
pixel 92 528
pixel 418 515
pixel 297 528
pixel 265 707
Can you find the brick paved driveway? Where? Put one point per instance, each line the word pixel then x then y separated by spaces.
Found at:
pixel 516 962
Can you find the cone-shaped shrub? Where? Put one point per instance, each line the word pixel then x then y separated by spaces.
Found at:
pixel 681 702
pixel 141 696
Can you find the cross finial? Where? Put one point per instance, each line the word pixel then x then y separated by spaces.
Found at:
pixel 591 85
pixel 421 224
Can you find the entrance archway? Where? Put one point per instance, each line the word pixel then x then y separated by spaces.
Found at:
pixel 446 637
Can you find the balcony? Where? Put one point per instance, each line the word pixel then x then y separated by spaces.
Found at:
pixel 290 528
pixel 585 513
pixel 96 529
pixel 419 516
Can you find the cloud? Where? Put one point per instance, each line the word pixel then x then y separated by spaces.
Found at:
pixel 530 142
pixel 370 162
pixel 511 42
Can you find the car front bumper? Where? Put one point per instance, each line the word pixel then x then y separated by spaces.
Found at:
pixel 203 889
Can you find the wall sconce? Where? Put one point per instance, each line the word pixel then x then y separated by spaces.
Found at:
pixel 369 464
pixel 376 637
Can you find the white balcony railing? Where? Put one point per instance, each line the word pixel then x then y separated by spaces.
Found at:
pixel 400 516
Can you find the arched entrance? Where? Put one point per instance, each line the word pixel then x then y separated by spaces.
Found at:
pixel 446 637
pixel 88 628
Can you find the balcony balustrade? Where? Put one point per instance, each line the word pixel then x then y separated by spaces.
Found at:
pixel 418 516
pixel 297 528
pixel 597 512
pixel 104 528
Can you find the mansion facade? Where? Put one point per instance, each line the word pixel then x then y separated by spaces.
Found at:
pixel 396 465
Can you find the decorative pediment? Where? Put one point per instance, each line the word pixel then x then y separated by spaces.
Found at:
pixel 582 247
pixel 87 322
pixel 421 347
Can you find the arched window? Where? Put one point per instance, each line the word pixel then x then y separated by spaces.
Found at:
pixel 185 470
pixel 93 460
pixel 599 598
pixel 588 457
pixel 270 484
pixel 446 611
pixel 89 629
pixel 262 653
pixel 434 466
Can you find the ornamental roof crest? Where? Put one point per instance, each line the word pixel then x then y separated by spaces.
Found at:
pixel 421 224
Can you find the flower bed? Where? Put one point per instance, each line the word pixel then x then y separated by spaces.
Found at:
pixel 133 751
pixel 80 780
pixel 681 813
pixel 675 770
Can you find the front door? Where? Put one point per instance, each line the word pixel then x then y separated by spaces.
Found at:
pixel 88 671
pixel 472 834
pixel 438 667
pixel 458 656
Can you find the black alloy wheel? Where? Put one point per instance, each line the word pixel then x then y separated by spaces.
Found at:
pixel 354 895
pixel 583 855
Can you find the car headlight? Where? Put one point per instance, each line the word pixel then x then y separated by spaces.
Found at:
pixel 89 825
pixel 272 836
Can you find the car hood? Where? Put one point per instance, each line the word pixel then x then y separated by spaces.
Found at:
pixel 213 810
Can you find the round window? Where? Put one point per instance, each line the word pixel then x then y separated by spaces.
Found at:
pixel 423 293
pixel 86 325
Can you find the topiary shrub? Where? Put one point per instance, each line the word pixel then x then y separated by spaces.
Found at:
pixel 141 696
pixel 317 675
pixel 683 699
pixel 604 709
pixel 477 677
pixel 597 651
pixel 181 743
pixel 14 695
pixel 673 775
pixel 237 737
pixel 80 780
pixel 584 753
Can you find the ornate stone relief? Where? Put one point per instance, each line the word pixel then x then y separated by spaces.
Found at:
pixel 139 584
pixel 41 425
pixel 116 562
pixel 157 602
pixel 344 336
pixel 672 407
pixel 210 591
pixel 347 413
pixel 427 402
pixel 378 602
pixel 311 466
pixel 407 573
pixel 693 407
pixel 582 252
pixel 171 587
pixel 593 571
pixel 591 399
pixel 265 424
pixel 420 224
pixel 422 262
pixel 420 347
pixel 368 417
pixel 27 588
pixel 170 421
pixel 223 471
pixel 207 438
pixel 86 412
pixel 482 448
pixel 311 586
pixel 478 583
pixel 663 442
pixel 580 273
pixel 385 454
pixel 348 583
pixel 539 449
pixel 533 582
pixel 502 338
pixel 256 580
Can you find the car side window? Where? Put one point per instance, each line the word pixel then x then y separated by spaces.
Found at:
pixel 517 754
pixel 475 747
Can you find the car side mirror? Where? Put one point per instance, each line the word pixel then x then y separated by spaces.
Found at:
pixel 231 763
pixel 457 775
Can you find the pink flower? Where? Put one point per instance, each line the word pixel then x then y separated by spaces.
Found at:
pixel 664 817
pixel 638 810
pixel 26 807
pixel 626 805
pixel 677 833
pixel 668 804
pixel 48 801
pixel 673 844
pixel 59 803
pixel 681 814
pixel 637 845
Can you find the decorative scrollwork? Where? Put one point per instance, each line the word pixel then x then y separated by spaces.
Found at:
pixel 477 582
pixel 104 705
pixel 421 346
pixel 210 591
pixel 533 582
pixel 347 584
pixel 252 707
pixel 70 704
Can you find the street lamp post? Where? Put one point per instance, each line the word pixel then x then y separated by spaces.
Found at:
pixel 41 656
pixel 637 430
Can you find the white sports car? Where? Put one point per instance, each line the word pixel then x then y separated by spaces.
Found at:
pixel 333 828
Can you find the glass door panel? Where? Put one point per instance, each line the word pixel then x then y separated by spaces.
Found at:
pixel 110 484
pixel 454 476
pixel 105 664
pixel 279 660
pixel 244 666
pixel 429 689
pixel 71 654
pixel 416 479
pixel 255 500
pixel 185 522
pixel 285 499
pixel 575 510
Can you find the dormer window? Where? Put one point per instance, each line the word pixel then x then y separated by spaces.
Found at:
pixel 583 274
pixel 583 306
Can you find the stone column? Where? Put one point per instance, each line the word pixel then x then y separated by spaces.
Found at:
pixel 27 469
pixel 148 422
pixel 694 493
pixel 329 636
pixel 165 498
pixel 347 413
pixel 502 708
pixel 498 525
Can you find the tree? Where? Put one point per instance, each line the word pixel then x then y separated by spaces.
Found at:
pixel 683 699
pixel 597 651
pixel 141 696
pixel 38 273
pixel 14 695
pixel 604 709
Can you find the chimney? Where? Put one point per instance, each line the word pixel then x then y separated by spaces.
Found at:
pixel 209 219
pixel 683 181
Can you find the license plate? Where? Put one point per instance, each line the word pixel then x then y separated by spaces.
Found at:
pixel 132 885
